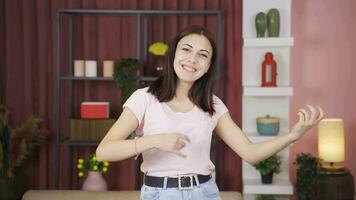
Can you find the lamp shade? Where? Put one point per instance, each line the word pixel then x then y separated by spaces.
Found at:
pixel 331 140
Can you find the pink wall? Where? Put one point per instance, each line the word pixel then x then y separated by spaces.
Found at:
pixel 324 68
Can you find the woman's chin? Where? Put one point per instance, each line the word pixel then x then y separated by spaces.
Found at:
pixel 183 79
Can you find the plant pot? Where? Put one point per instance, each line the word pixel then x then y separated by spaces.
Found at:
pixel 155 65
pixel 12 188
pixel 267 178
pixel 94 182
pixel 159 63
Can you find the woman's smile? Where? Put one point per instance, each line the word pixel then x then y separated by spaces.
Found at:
pixel 188 68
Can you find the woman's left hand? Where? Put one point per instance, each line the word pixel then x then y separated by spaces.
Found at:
pixel 307 120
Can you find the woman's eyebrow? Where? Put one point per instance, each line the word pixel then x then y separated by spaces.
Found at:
pixel 189 45
pixel 204 50
pixel 199 50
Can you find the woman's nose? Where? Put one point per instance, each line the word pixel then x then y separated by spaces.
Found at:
pixel 193 58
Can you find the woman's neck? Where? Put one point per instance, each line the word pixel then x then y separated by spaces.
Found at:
pixel 182 90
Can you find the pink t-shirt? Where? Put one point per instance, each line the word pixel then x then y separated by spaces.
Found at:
pixel 155 117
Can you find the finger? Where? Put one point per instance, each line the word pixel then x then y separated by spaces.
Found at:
pixel 177 146
pixel 180 144
pixel 306 115
pixel 321 113
pixel 313 113
pixel 182 140
pixel 301 117
pixel 184 137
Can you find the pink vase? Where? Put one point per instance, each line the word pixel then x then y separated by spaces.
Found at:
pixel 94 182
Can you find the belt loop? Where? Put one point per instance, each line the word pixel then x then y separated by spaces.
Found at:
pixel 144 178
pixel 197 180
pixel 165 182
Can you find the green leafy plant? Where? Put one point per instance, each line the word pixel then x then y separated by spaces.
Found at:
pixel 17 143
pixel 91 164
pixel 307 171
pixel 264 197
pixel 271 164
pixel 126 76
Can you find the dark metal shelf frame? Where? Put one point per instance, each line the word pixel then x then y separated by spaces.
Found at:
pixel 139 14
pixel 74 78
pixel 77 143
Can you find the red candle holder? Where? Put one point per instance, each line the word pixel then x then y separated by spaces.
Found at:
pixel 269 71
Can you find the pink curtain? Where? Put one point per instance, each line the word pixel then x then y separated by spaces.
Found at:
pixel 28 67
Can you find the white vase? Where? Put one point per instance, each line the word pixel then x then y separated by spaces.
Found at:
pixel 94 182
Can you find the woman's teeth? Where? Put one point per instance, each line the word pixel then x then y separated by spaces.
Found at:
pixel 189 68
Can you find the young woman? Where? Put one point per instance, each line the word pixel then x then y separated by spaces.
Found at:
pixel 175 118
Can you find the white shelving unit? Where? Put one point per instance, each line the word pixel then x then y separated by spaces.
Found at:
pixel 267 91
pixel 259 101
pixel 265 42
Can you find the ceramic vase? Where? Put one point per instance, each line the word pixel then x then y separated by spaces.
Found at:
pixel 268 125
pixel 273 22
pixel 94 182
pixel 261 24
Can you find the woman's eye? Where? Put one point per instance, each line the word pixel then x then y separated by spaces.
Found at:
pixel 185 49
pixel 204 55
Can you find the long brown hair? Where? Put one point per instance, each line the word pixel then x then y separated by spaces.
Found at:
pixel 201 93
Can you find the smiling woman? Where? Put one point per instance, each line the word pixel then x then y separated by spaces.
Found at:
pixel 192 57
pixel 191 68
pixel 175 118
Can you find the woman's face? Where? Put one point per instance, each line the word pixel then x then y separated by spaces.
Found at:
pixel 192 57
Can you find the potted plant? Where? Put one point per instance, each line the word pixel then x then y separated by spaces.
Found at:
pixel 95 169
pixel 126 75
pixel 268 167
pixel 307 171
pixel 16 145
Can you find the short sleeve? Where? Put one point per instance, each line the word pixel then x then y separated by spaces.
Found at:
pixel 137 103
pixel 220 108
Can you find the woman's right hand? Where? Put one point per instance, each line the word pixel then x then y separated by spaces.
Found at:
pixel 172 142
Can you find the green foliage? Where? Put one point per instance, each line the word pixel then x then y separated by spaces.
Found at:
pixel 17 143
pixel 126 76
pixel 264 197
pixel 307 170
pixel 91 164
pixel 271 164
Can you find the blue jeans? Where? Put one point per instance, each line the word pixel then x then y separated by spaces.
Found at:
pixel 207 190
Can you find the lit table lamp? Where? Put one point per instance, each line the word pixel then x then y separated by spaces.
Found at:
pixel 334 181
pixel 331 144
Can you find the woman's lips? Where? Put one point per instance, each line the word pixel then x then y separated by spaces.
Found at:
pixel 188 68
